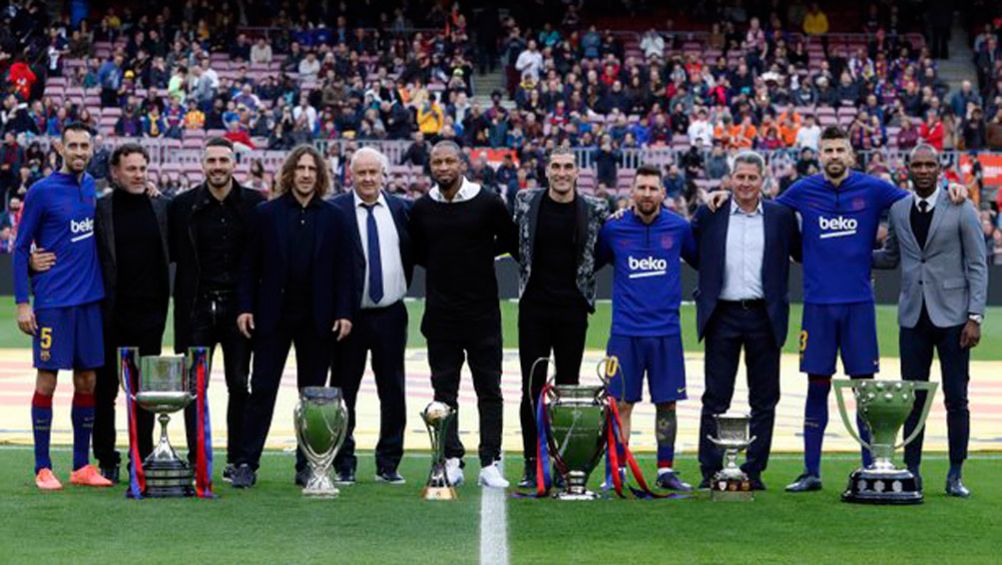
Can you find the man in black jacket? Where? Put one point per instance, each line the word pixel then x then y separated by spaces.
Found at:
pixel 208 234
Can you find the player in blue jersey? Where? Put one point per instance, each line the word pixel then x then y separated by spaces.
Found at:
pixel 65 323
pixel 645 247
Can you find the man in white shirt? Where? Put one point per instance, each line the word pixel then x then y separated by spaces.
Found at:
pixel 305 109
pixel 809 134
pixel 700 131
pixel 530 61
pixel 653 45
pixel 309 67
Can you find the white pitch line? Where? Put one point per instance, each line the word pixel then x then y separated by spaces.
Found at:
pixel 493 526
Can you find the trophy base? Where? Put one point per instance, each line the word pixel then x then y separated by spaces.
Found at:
pixel 168 479
pixel 439 493
pixel 576 495
pixel 731 490
pixel 869 486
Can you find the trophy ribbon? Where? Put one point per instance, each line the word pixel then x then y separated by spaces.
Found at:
pixel 203 450
pixel 137 477
pixel 543 479
pixel 615 439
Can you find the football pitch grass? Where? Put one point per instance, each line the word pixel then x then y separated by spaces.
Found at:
pixel 377 523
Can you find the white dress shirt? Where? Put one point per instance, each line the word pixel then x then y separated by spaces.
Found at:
pixel 744 254
pixel 931 200
pixel 394 280
pixel 466 192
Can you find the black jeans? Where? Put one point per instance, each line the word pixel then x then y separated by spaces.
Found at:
pixel 917 345
pixel 215 323
pixel 148 341
pixel 483 353
pixel 383 332
pixel 732 327
pixel 543 330
pixel 271 349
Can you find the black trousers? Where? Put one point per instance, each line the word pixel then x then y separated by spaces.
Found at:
pixel 271 349
pixel 215 323
pixel 917 345
pixel 483 353
pixel 732 328
pixel 382 332
pixel 543 330
pixel 148 340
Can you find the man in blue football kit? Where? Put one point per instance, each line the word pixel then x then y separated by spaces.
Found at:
pixel 65 323
pixel 645 247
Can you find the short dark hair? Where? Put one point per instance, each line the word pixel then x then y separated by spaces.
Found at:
pixel 647 170
pixel 75 126
pixel 219 142
pixel 126 149
pixel 833 132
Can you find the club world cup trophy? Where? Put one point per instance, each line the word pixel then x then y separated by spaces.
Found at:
pixel 577 416
pixel 162 385
pixel 438 416
pixel 321 421
pixel 883 406
pixel 731 483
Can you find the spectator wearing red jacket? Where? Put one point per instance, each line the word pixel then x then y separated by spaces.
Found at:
pixel 931 131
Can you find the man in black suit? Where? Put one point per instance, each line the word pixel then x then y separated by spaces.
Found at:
pixel 208 234
pixel 381 267
pixel 131 230
pixel 742 301
pixel 295 288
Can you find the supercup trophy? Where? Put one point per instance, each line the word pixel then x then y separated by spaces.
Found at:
pixel 577 417
pixel 883 406
pixel 438 416
pixel 160 385
pixel 321 420
pixel 731 483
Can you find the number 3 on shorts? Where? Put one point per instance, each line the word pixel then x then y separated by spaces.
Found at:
pixel 803 341
pixel 45 338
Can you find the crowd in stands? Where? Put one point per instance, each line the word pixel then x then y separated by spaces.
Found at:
pixel 270 75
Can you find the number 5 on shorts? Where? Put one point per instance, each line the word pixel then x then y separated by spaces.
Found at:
pixel 45 338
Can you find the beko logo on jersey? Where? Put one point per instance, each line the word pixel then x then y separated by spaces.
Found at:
pixel 839 226
pixel 84 227
pixel 647 267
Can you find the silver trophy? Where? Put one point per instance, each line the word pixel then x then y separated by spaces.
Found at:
pixel 162 385
pixel 438 416
pixel 321 420
pixel 731 483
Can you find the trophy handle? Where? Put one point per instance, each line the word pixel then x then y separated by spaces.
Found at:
pixel 128 355
pixel 929 399
pixel 607 369
pixel 532 377
pixel 838 385
pixel 752 439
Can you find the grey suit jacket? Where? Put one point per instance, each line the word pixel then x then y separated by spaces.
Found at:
pixel 950 274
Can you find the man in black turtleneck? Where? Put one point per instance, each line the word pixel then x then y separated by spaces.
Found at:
pixel 131 230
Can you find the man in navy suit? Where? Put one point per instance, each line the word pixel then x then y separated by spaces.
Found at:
pixel 381 265
pixel 742 301
pixel 295 289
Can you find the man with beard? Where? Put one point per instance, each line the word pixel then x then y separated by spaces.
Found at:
pixel 208 228
pixel 457 229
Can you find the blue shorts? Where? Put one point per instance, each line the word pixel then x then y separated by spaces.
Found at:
pixel 661 358
pixel 847 328
pixel 69 338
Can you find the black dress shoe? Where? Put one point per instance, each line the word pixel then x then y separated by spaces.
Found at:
pixel 302 477
pixel 243 477
pixel 805 483
pixel 228 473
pixel 344 478
pixel 529 476
pixel 111 473
pixel 756 483
pixel 918 479
pixel 390 477
pixel 705 483
pixel 954 487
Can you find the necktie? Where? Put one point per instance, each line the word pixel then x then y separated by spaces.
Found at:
pixel 375 262
pixel 923 206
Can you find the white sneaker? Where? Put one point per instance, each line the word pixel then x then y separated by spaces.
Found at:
pixel 453 471
pixel 491 477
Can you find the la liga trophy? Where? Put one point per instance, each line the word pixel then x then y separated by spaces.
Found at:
pixel 883 407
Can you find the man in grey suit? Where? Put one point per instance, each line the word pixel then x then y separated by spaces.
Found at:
pixel 944 283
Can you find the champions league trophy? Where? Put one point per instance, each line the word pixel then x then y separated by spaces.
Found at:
pixel 162 385
pixel 883 406
pixel 438 416
pixel 731 483
pixel 577 417
pixel 321 420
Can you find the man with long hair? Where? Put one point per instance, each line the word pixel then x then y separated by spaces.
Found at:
pixel 295 288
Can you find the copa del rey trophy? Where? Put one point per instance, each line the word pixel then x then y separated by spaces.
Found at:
pixel 731 483
pixel 883 406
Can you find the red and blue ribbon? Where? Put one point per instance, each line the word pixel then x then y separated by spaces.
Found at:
pixel 203 449
pixel 614 436
pixel 137 478
pixel 543 479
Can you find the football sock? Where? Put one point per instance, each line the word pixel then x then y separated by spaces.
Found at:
pixel 41 425
pixel 665 430
pixel 82 415
pixel 815 422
